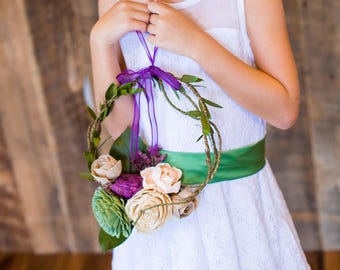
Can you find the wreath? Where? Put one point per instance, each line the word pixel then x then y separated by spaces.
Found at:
pixel 137 188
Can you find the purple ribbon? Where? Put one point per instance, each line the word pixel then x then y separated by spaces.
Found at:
pixel 144 78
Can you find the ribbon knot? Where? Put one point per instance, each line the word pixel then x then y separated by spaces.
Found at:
pixel 143 78
pixel 150 72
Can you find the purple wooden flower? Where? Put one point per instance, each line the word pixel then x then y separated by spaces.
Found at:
pixel 147 159
pixel 127 185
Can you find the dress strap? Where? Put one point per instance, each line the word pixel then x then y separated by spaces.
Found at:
pixel 242 16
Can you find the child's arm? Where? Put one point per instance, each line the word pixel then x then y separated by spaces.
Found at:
pixel 272 90
pixel 116 19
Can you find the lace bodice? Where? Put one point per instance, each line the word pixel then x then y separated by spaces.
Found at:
pixel 177 132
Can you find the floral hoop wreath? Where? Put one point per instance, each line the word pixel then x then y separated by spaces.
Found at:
pixel 136 189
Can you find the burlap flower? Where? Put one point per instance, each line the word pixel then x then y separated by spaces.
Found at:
pixel 106 169
pixel 139 208
pixel 183 209
pixel 163 176
pixel 110 213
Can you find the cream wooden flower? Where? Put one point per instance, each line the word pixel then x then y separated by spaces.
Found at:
pixel 185 209
pixel 151 218
pixel 163 176
pixel 106 169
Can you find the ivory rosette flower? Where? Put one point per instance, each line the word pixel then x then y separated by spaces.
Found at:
pixel 147 209
pixel 183 209
pixel 163 176
pixel 106 169
pixel 110 213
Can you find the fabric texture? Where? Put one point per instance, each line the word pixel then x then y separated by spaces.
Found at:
pixel 239 225
pixel 234 164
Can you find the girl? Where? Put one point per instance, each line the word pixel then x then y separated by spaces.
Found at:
pixel 241 50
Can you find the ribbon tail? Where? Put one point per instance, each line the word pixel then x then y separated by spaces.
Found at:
pixel 135 128
pixel 152 117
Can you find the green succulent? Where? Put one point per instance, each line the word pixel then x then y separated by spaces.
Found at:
pixel 110 213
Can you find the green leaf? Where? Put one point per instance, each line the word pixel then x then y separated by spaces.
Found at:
pixel 90 157
pixel 124 92
pixel 210 103
pixel 199 138
pixel 110 91
pixel 203 108
pixel 204 119
pixel 101 106
pixel 124 89
pixel 182 90
pixel 205 125
pixel 134 91
pixel 176 93
pixel 91 113
pixel 120 150
pixel 198 86
pixel 190 79
pixel 86 175
pixel 108 242
pixel 127 85
pixel 194 114
pixel 96 141
pixel 115 91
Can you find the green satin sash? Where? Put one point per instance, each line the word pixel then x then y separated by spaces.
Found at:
pixel 236 163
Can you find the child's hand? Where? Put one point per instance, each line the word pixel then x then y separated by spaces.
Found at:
pixel 124 16
pixel 172 30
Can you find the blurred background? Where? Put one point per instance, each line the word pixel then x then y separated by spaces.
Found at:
pixel 45 213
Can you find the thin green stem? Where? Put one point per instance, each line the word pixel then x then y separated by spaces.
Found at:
pixel 185 200
pixel 103 143
pixel 161 86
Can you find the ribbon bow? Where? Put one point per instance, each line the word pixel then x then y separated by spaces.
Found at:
pixel 143 78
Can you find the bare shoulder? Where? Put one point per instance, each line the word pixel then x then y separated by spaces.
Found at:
pixel 266 26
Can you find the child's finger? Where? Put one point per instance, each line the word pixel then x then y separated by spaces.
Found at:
pixel 157 7
pixel 140 16
pixel 151 29
pixel 136 5
pixel 153 18
pixel 136 1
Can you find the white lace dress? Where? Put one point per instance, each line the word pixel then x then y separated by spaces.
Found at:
pixel 240 224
